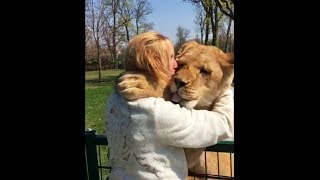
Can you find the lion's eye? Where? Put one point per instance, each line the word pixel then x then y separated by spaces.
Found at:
pixel 204 71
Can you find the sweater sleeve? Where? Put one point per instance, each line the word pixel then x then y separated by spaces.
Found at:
pixel 182 127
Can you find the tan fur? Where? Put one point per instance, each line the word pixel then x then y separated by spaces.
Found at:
pixel 204 73
pixel 134 85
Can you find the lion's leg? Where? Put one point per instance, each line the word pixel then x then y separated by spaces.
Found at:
pixel 220 163
pixel 208 164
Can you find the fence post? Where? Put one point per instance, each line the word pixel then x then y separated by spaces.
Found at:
pixel 91 155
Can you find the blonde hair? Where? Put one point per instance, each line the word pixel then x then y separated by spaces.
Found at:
pixel 149 52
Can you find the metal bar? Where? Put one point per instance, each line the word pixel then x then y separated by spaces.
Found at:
pixel 104 167
pixel 91 152
pixel 210 176
pixel 101 140
pixel 86 168
pixel 100 162
pixel 221 148
pixel 218 163
pixel 231 164
pixel 92 140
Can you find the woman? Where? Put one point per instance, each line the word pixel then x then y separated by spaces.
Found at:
pixel 146 137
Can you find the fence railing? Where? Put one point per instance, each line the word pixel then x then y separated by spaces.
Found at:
pixel 97 155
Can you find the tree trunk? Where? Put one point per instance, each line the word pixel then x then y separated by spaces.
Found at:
pixel 114 48
pixel 100 70
pixel 127 33
pixel 206 38
pixel 99 62
pixel 228 32
pixel 114 55
pixel 213 25
pixel 201 36
pixel 137 26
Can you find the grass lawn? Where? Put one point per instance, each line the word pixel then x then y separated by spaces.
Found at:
pixel 96 95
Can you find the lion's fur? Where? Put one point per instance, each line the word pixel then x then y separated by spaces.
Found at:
pixel 205 72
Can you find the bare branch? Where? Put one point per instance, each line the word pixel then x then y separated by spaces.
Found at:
pixel 230 13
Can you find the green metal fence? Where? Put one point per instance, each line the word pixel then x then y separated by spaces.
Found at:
pixel 221 147
pixel 97 154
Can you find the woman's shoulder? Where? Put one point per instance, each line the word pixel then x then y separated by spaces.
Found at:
pixel 117 97
pixel 153 103
pixel 142 103
pixel 150 101
pixel 114 98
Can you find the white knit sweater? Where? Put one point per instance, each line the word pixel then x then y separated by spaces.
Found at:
pixel 146 137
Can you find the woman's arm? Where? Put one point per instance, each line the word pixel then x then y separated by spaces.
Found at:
pixel 182 127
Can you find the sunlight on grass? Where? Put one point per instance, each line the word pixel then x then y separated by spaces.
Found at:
pixel 93 75
pixel 96 96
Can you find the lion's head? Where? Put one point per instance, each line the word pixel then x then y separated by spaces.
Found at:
pixel 203 73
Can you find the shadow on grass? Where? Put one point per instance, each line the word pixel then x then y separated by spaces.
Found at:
pixel 104 81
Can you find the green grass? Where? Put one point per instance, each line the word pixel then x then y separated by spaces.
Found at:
pixel 96 96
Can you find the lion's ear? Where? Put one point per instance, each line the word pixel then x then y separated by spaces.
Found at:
pixel 187 44
pixel 227 66
pixel 228 57
pixel 227 63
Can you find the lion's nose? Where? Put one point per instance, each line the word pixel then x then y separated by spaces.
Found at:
pixel 180 83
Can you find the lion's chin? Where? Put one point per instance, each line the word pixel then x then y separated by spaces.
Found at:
pixel 189 104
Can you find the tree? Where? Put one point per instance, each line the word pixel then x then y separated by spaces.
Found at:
pixel 214 10
pixel 110 25
pixel 182 35
pixel 94 22
pixel 228 34
pixel 126 16
pixel 207 7
pixel 212 13
pixel 141 10
pixel 200 20
pixel 90 48
pixel 113 32
pixel 145 26
pixel 226 7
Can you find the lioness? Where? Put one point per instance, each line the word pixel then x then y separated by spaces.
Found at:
pixel 203 74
